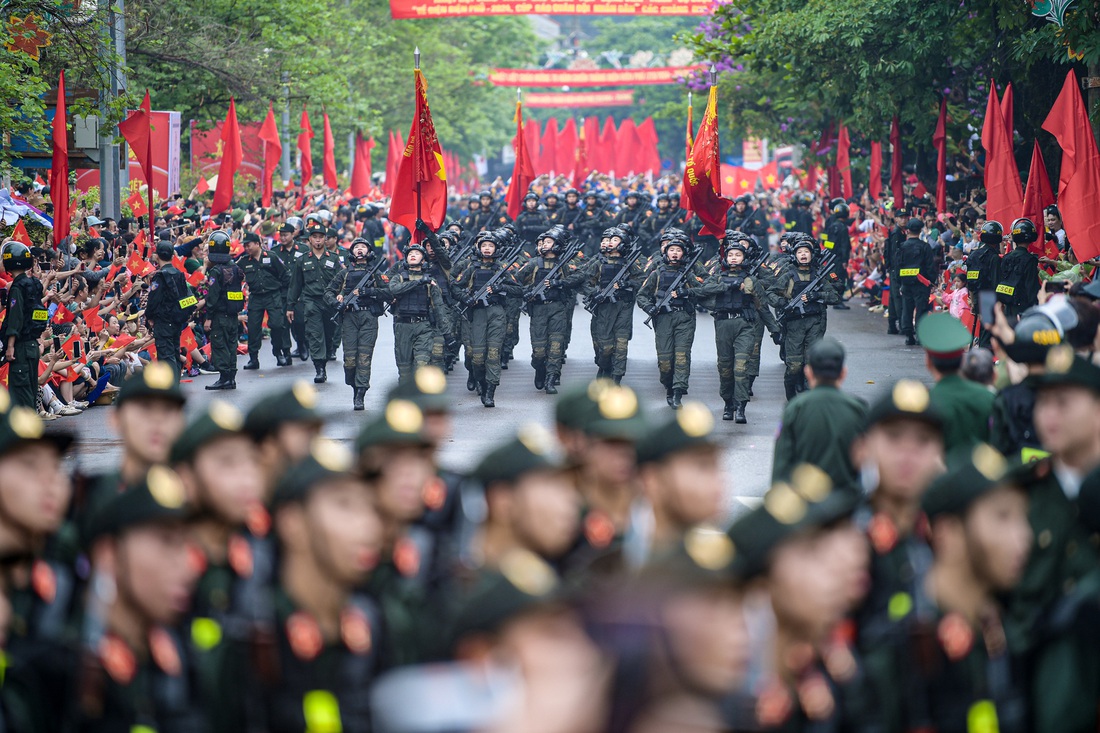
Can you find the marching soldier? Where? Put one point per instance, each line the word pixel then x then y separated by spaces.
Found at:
pixel 224 302
pixel 473 209
pixel 485 312
pixel 835 237
pixel 548 312
pixel 571 215
pixel 734 303
pixel 612 302
pixel 634 215
pixel 25 321
pixel 290 250
pixel 596 218
pixel 530 224
pixel 417 310
pixel 746 218
pixel 267 277
pixel 552 204
pixel 358 294
pixel 668 297
pixel 804 326
pixel 663 219
pixel 309 276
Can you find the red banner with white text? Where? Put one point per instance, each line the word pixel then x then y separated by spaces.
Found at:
pixel 589 77
pixel 617 98
pixel 452 8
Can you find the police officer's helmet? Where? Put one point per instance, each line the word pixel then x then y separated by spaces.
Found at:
pixel 574 192
pixel 803 242
pixel 532 196
pixel 841 210
pixel 744 198
pixel 992 232
pixel 1039 329
pixel 218 248
pixel 833 203
pixel 17 256
pixel 684 244
pixel 612 232
pixel 739 244
pixel 487 237
pixel 360 242
pixel 296 222
pixel 1024 231
pixel 448 238
pixel 485 194
pixel 662 197
pixel 416 247
pixel 551 195
pixel 474 199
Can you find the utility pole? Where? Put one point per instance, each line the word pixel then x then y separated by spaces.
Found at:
pixel 111 172
pixel 286 126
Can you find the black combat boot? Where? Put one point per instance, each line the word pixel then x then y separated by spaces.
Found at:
pixel 727 412
pixel 668 396
pixel 253 362
pixel 790 385
pixel 741 420
pixel 320 376
pixel 281 359
pixel 222 383
pixel 349 376
pixel 677 397
pixel 357 400
pixel 487 395
pixel 751 380
pixel 551 386
pixel 303 352
pixel 232 383
pixel 540 375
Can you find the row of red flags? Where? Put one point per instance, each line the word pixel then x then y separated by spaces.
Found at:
pixel 629 149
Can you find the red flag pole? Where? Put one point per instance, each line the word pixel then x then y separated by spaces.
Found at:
pixel 416 234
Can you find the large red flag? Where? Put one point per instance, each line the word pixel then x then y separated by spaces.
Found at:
pixel 1007 109
pixel 874 182
pixel 685 192
pixel 608 147
pixel 232 154
pixel 549 157
pixel 580 164
pixel 531 134
pixel 630 153
pixel 421 187
pixel 1079 178
pixel 360 174
pixel 703 173
pixel 647 132
pixel 138 132
pixel 59 170
pixel 843 161
pixel 897 189
pixel 566 148
pixel 328 166
pixel 939 141
pixel 393 156
pixel 523 172
pixel 306 161
pixel 273 150
pixel 1037 197
pixel 1004 194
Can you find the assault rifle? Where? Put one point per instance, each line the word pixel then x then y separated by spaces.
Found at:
pixel 607 294
pixel 370 273
pixel 537 294
pixel 798 306
pixel 481 297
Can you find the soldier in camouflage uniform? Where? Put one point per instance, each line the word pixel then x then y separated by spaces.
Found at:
pixel 309 276
pixel 268 278
pixel 417 310
pixel 612 314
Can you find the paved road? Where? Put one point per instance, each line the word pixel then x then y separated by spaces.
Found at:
pixel 874 359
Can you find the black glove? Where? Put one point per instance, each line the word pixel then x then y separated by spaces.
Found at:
pixel 777 338
pixel 421 226
pixel 649 310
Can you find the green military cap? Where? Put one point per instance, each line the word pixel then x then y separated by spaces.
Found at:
pixel 401 423
pixel 287 227
pixel 687 428
pixel 1063 367
pixel 217 420
pixel 297 403
pixel 267 228
pixel 530 450
pixel 523 581
pixel 942 335
pixel 331 232
pixel 601 409
pixel 826 356
pixel 971 472
pixel 156 380
pixel 704 557
pixel 237 214
pixel 327 460
pixel 19 425
pixel 908 399
pixel 807 500
pixel 316 228
pixel 158 497
pixel 272 212
pixel 427 390
pixel 190 214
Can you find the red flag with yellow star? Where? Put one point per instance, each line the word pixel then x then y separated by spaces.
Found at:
pixel 702 176
pixel 523 172
pixel 421 187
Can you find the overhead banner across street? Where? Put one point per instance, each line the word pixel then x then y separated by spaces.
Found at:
pixel 616 98
pixel 400 9
pixel 589 78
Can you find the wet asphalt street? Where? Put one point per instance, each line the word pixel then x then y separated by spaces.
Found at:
pixel 874 361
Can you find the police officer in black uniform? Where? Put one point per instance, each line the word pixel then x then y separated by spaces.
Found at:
pixel 836 238
pixel 224 302
pixel 915 272
pixel 25 321
pixel 530 223
pixel 983 267
pixel 1018 281
pixel 268 278
pixel 169 307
